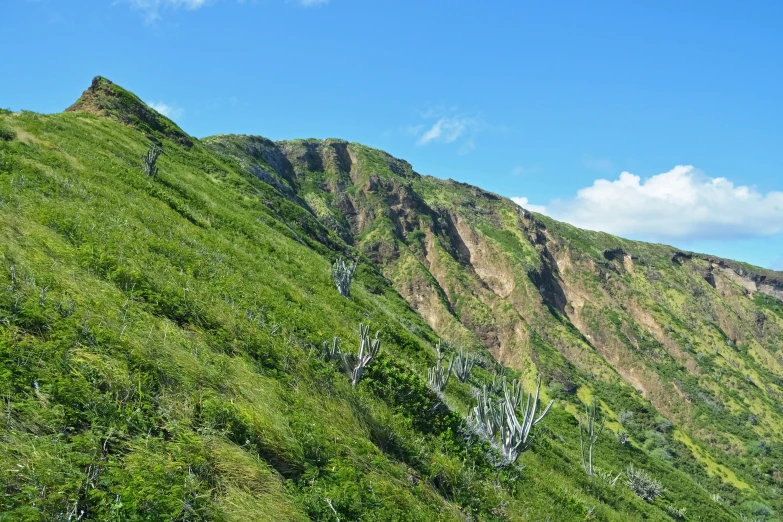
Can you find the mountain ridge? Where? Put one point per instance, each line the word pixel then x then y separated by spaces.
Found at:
pixel 160 338
pixel 758 274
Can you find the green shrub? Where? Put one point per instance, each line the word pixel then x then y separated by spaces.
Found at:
pixel 6 133
pixel 755 509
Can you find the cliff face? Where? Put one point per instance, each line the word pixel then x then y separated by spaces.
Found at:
pixel 698 337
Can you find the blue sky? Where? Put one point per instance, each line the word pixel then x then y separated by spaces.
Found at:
pixel 676 107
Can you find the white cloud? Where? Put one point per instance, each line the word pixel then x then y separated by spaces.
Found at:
pixel 680 204
pixel 524 203
pixel 313 3
pixel 166 110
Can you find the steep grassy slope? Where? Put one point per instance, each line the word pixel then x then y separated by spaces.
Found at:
pixel 697 338
pixel 160 339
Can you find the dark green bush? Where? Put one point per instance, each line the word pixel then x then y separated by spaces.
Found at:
pixel 7 133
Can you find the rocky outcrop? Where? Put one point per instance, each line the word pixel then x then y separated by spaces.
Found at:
pixel 756 279
pixel 107 99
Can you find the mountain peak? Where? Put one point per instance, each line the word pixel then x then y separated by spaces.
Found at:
pixel 105 98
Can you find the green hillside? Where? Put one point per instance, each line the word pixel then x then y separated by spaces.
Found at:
pixel 161 340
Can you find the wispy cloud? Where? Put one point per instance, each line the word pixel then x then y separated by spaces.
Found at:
pixel 153 8
pixel 167 110
pixel 682 203
pixel 154 4
pixel 598 164
pixel 519 170
pixel 308 3
pixel 449 126
pixel 447 129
